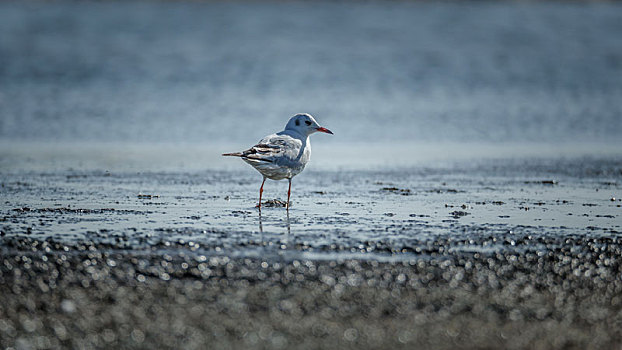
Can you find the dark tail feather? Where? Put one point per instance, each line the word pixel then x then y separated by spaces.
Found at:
pixel 236 154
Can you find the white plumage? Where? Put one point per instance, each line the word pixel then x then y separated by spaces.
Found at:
pixel 283 155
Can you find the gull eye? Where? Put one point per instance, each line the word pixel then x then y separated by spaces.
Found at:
pixel 308 122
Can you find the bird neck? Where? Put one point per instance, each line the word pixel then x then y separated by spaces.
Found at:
pixel 295 134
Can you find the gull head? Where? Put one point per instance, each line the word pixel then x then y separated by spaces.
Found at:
pixel 305 124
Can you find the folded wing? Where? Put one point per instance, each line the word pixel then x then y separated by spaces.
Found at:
pixel 275 156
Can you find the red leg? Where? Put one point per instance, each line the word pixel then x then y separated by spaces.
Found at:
pixel 260 193
pixel 289 192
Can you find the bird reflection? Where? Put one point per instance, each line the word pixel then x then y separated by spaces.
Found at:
pixel 289 231
pixel 287 222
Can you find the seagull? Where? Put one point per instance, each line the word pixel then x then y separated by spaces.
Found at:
pixel 283 155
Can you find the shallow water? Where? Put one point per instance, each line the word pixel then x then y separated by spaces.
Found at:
pixel 377 214
pixel 486 123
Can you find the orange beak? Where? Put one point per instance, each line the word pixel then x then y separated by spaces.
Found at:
pixel 321 129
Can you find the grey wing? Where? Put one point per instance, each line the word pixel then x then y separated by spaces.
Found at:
pixel 274 156
pixel 274 149
pixel 262 152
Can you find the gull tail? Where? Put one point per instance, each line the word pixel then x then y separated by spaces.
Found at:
pixel 235 154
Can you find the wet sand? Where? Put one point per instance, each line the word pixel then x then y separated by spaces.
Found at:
pixel 552 295
pixel 515 253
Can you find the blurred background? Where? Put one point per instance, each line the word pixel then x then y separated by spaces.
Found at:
pixel 390 76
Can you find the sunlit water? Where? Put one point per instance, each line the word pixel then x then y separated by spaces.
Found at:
pixel 450 120
pixel 386 71
pixel 335 213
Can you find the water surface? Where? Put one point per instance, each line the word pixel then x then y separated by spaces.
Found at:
pixel 386 71
pixel 486 123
